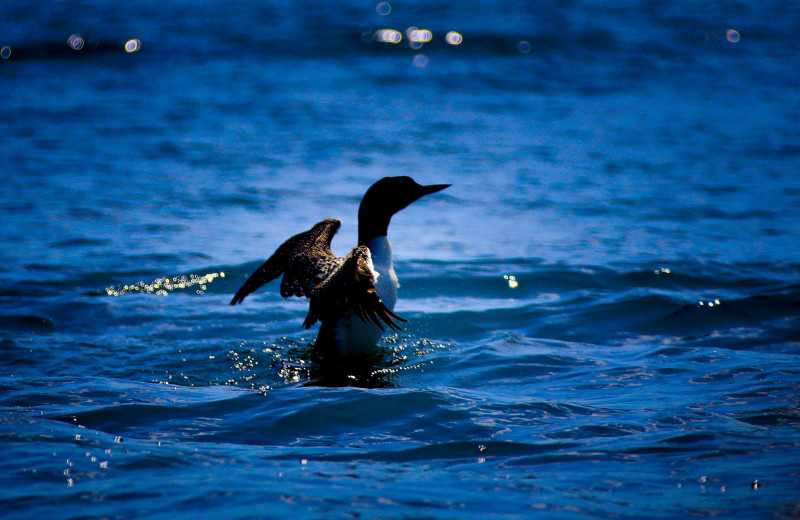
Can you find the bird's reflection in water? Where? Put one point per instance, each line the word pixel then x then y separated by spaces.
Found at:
pixel 298 362
pixel 304 364
pixel 375 371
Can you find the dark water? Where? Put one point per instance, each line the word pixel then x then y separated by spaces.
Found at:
pixel 603 308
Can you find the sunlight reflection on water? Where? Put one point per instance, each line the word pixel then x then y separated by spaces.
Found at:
pixel 164 286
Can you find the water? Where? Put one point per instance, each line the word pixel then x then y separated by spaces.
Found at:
pixel 603 307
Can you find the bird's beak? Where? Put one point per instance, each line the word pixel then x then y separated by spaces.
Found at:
pixel 433 188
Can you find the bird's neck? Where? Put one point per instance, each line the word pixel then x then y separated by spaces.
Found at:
pixel 386 285
pixel 381 251
pixel 371 227
pixel 372 233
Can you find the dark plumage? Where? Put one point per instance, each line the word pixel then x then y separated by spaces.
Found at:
pixel 352 297
pixel 333 284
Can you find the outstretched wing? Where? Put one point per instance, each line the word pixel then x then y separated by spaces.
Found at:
pixel 306 258
pixel 350 287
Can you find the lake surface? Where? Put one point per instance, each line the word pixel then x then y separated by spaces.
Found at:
pixel 604 308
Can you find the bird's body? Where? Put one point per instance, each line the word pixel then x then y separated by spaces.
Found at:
pixel 353 296
pixel 351 335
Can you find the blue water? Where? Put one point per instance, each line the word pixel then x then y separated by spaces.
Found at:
pixel 604 308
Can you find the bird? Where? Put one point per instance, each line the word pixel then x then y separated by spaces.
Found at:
pixel 353 297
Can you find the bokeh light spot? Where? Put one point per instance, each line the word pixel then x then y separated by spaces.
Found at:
pixel 76 41
pixel 454 38
pixel 420 60
pixel 524 47
pixel 388 36
pixel 133 45
pixel 383 8
pixel 732 35
pixel 5 52
pixel 419 35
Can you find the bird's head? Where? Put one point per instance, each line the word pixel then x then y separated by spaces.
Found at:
pixel 385 198
pixel 391 194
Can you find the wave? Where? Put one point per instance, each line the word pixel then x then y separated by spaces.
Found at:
pixel 617 372
pixel 745 304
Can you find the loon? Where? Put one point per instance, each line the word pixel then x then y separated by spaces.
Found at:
pixel 353 296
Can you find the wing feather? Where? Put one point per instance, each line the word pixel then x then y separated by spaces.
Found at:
pixel 304 260
pixel 350 287
pixel 334 285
